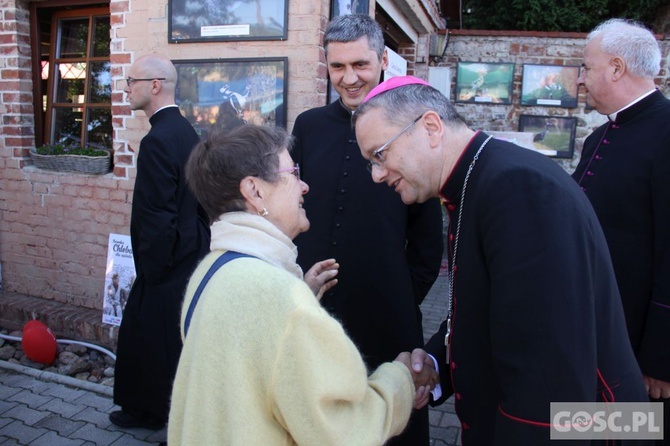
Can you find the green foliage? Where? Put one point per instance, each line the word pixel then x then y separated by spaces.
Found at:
pixel 644 11
pixel 551 15
pixel 69 149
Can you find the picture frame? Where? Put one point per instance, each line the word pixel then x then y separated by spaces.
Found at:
pixel 226 93
pixel 553 136
pixel 207 21
pixel 484 82
pixel 549 85
pixel 344 7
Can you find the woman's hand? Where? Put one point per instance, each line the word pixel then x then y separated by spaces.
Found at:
pixel 425 378
pixel 321 277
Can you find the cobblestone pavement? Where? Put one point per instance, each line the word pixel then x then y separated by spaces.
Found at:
pixel 42 408
pixel 445 429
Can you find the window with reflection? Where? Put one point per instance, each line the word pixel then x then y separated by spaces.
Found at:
pixel 77 83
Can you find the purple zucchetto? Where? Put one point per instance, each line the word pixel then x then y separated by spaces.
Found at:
pixel 394 82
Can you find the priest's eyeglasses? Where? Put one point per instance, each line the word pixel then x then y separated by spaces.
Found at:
pixel 131 80
pixel 377 158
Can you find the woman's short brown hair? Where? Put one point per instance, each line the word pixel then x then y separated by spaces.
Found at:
pixel 218 164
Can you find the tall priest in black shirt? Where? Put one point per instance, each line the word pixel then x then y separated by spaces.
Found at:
pixel 389 253
pixel 625 172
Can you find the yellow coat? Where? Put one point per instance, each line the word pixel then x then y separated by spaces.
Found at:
pixel 264 364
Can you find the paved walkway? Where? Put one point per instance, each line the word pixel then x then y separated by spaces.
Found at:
pixel 445 429
pixel 42 408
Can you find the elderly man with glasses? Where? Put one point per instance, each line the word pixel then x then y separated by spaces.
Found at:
pixel 533 309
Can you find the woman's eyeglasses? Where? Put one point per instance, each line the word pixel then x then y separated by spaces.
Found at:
pixel 295 170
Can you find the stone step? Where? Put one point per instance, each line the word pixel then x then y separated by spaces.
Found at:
pixel 64 320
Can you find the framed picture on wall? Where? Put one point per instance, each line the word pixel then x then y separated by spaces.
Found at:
pixel 484 82
pixel 208 20
pixel 226 93
pixel 552 135
pixel 549 85
pixel 344 7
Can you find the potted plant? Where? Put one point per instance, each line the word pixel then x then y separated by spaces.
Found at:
pixel 71 157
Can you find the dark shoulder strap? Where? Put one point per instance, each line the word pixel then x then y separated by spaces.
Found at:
pixel 222 260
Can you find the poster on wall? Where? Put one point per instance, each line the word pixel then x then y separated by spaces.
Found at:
pixel 484 82
pixel 553 136
pixel 549 85
pixel 119 278
pixel 210 20
pixel 344 7
pixel 397 65
pixel 440 79
pixel 225 93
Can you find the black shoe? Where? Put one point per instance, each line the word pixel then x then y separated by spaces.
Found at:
pixel 124 419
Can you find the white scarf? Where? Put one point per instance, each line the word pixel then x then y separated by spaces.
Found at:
pixel 254 235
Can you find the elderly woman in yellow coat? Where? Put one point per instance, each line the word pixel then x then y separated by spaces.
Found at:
pixel 263 363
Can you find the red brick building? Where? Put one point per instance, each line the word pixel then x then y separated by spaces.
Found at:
pixel 63 65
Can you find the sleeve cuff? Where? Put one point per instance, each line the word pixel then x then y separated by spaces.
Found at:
pixel 437 391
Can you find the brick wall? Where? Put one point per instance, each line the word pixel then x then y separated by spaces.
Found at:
pixel 536 48
pixel 54 226
pixel 16 108
pixel 140 27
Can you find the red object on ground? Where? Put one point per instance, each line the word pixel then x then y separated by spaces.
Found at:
pixel 38 342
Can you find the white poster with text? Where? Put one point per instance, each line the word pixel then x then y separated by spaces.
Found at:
pixel 119 278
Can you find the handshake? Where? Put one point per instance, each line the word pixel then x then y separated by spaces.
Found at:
pixel 425 378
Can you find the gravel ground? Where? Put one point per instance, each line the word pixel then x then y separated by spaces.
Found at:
pixel 73 360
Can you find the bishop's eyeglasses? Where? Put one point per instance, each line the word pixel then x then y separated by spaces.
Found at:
pixel 377 158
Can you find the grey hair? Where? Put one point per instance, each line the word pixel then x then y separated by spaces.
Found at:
pixel 217 165
pixel 411 101
pixel 351 27
pixel 631 41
